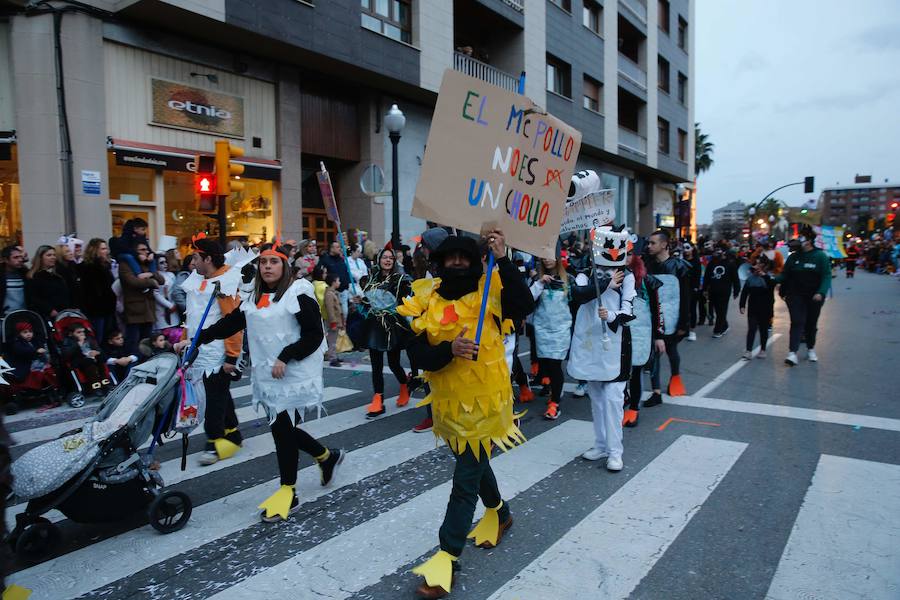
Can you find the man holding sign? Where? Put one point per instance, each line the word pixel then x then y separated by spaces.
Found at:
pixel 471 395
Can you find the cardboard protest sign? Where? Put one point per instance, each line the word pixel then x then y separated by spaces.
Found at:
pixel 328 198
pixel 593 210
pixel 495 159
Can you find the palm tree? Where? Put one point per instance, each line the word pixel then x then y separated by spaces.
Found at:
pixel 703 150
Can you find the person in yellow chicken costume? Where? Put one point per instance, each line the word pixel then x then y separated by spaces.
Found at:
pixel 471 396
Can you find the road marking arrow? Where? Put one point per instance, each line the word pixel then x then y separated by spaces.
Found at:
pixel 671 419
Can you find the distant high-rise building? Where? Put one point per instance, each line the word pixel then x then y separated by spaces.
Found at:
pixel 729 220
pixel 860 201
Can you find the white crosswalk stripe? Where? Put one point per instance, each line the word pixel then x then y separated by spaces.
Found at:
pixel 845 539
pixel 665 495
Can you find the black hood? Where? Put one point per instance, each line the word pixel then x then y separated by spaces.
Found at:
pixel 456 283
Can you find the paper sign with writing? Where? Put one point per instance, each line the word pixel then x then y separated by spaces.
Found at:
pixel 592 210
pixel 495 159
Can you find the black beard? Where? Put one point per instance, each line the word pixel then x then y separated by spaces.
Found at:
pixel 457 282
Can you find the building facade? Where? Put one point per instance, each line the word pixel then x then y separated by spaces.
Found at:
pixel 104 104
pixel 729 220
pixel 854 205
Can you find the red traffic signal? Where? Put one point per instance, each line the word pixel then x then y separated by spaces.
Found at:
pixel 205 184
pixel 205 192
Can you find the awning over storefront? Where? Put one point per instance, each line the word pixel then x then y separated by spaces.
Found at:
pixel 165 158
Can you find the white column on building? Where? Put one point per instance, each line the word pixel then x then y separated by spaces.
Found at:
pixel 433 34
pixel 652 109
pixel 536 51
pixel 611 77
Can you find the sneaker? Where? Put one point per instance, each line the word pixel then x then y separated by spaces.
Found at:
pixel 329 466
pixel 726 330
pixel 552 412
pixel 761 354
pixel 525 394
pixel 717 335
pixel 614 463
pixel 692 337
pixel 375 407
pixel 595 454
pixel 209 457
pixel 424 426
pixel 580 391
pixel 295 506
pixel 747 355
pixel 654 400
pixel 630 419
pixel 811 355
pixel 335 362
pixel 791 359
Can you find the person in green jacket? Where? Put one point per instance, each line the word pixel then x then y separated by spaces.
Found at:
pixel 805 280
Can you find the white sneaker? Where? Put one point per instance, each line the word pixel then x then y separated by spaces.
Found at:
pixel 747 355
pixel 692 337
pixel 595 454
pixel 614 463
pixel 580 391
pixel 812 356
pixel 210 457
pixel 791 359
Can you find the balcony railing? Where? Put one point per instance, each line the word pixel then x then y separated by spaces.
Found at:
pixel 475 68
pixel 632 71
pixel 519 5
pixel 636 7
pixel 632 141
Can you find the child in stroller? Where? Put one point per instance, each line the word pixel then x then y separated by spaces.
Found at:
pixel 80 354
pixel 25 347
pixel 96 474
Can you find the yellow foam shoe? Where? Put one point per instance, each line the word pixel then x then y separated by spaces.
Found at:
pixel 437 570
pixel 488 529
pixel 16 592
pixel 225 448
pixel 279 503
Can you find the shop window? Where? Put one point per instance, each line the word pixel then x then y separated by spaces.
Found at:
pixel 248 212
pixel 121 215
pixel 130 183
pixel 10 205
pixel 392 18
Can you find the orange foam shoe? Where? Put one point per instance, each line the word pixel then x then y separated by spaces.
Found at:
pixel 534 369
pixel 676 386
pixel 630 419
pixel 403 398
pixel 375 407
pixel 525 394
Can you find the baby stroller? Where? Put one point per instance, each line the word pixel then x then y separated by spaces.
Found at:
pixel 77 383
pixel 95 474
pixel 19 392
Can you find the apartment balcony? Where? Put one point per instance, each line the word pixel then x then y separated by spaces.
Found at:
pixel 475 68
pixel 632 71
pixel 638 8
pixel 519 5
pixel 633 142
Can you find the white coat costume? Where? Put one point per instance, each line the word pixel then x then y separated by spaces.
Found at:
pixel 602 355
pixel 270 329
pixel 552 321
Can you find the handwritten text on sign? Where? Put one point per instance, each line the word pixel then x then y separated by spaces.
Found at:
pixel 495 159
pixel 593 210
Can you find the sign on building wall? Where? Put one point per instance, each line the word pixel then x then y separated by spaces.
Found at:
pixel 90 183
pixel 187 107
pixel 495 159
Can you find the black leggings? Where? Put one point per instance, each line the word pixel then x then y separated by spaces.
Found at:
pixel 552 368
pixel 804 320
pixel 757 323
pixel 671 342
pixel 376 357
pixel 518 373
pixel 289 440
pixel 634 388
pixel 720 302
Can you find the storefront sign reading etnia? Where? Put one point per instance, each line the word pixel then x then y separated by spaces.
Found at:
pixel 187 107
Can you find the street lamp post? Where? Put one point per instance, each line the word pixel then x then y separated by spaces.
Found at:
pixel 751 212
pixel 394 120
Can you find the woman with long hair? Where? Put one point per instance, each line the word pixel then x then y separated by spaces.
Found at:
pixel 386 330
pixel 284 330
pixel 66 267
pixel 98 301
pixel 47 292
pixel 552 322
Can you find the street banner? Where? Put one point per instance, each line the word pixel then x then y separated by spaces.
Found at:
pixel 494 159
pixel 589 211
pixel 831 240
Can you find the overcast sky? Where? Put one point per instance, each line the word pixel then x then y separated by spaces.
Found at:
pixel 789 88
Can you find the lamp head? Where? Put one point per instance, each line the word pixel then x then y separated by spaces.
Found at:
pixel 395 120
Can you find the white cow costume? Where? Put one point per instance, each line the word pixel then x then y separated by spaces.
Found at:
pixel 605 364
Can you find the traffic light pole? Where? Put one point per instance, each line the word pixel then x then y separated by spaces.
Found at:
pixel 221 219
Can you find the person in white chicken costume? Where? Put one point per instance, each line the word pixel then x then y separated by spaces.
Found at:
pixel 600 353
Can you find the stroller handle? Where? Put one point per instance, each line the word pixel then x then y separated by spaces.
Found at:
pixel 192 352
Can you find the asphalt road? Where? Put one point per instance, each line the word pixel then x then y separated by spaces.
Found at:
pixel 766 481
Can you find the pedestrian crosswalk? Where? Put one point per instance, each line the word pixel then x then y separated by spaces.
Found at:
pixel 358 537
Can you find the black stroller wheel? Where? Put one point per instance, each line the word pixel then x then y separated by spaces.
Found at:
pixel 75 400
pixel 36 539
pixel 170 511
pixel 11 407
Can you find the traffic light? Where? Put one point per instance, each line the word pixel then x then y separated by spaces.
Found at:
pixel 808 184
pixel 225 169
pixel 894 205
pixel 205 184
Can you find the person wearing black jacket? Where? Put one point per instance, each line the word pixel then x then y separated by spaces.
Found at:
pixel 445 313
pixel 12 280
pixel 721 281
pixel 98 301
pixel 46 291
pixel 284 330
pixel 698 302
pixel 759 290
pixel 659 262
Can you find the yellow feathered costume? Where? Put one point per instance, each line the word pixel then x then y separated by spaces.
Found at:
pixel 471 401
